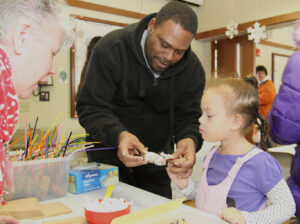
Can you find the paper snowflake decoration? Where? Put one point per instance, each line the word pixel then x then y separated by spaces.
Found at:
pixel 231 30
pixel 256 33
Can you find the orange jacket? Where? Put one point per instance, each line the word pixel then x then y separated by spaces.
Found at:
pixel 266 93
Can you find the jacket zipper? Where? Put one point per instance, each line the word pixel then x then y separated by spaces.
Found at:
pixel 155 81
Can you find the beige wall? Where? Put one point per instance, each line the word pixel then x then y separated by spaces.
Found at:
pixel 265 57
pixel 217 13
pixel 280 34
pixel 213 14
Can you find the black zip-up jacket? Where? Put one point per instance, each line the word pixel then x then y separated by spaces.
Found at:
pixel 120 93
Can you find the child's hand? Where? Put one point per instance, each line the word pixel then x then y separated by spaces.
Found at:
pixel 8 220
pixel 181 183
pixel 233 216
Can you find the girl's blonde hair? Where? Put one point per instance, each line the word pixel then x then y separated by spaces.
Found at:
pixel 241 97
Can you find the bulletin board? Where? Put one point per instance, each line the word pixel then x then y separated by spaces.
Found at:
pixel 86 29
pixel 278 64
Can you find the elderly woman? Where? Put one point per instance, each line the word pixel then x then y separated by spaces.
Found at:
pixel 266 90
pixel 31 33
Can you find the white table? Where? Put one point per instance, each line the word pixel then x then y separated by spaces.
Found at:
pixel 141 199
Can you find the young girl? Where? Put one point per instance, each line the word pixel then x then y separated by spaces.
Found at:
pixel 236 170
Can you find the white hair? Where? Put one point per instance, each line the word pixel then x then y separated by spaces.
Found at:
pixel 296 34
pixel 38 12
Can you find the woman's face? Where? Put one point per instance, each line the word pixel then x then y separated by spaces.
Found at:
pixel 36 60
pixel 260 75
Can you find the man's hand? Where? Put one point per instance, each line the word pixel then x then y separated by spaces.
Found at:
pixel 130 150
pixel 233 216
pixel 185 158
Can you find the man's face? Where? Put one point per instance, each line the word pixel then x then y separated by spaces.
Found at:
pixel 166 44
pixel 37 58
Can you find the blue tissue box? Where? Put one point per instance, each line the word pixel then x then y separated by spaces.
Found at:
pixel 84 180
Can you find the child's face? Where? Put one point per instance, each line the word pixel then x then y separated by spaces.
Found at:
pixel 215 122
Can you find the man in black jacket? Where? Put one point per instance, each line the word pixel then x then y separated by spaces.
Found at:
pixel 142 92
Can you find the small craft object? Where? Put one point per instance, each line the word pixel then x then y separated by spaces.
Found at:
pixel 157 159
pixel 98 212
pixel 180 221
pixel 108 205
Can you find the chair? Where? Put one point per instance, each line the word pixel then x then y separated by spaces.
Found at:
pixel 284 155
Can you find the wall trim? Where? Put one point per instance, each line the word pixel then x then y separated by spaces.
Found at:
pixel 278 45
pixel 243 26
pixel 105 9
pixel 100 21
